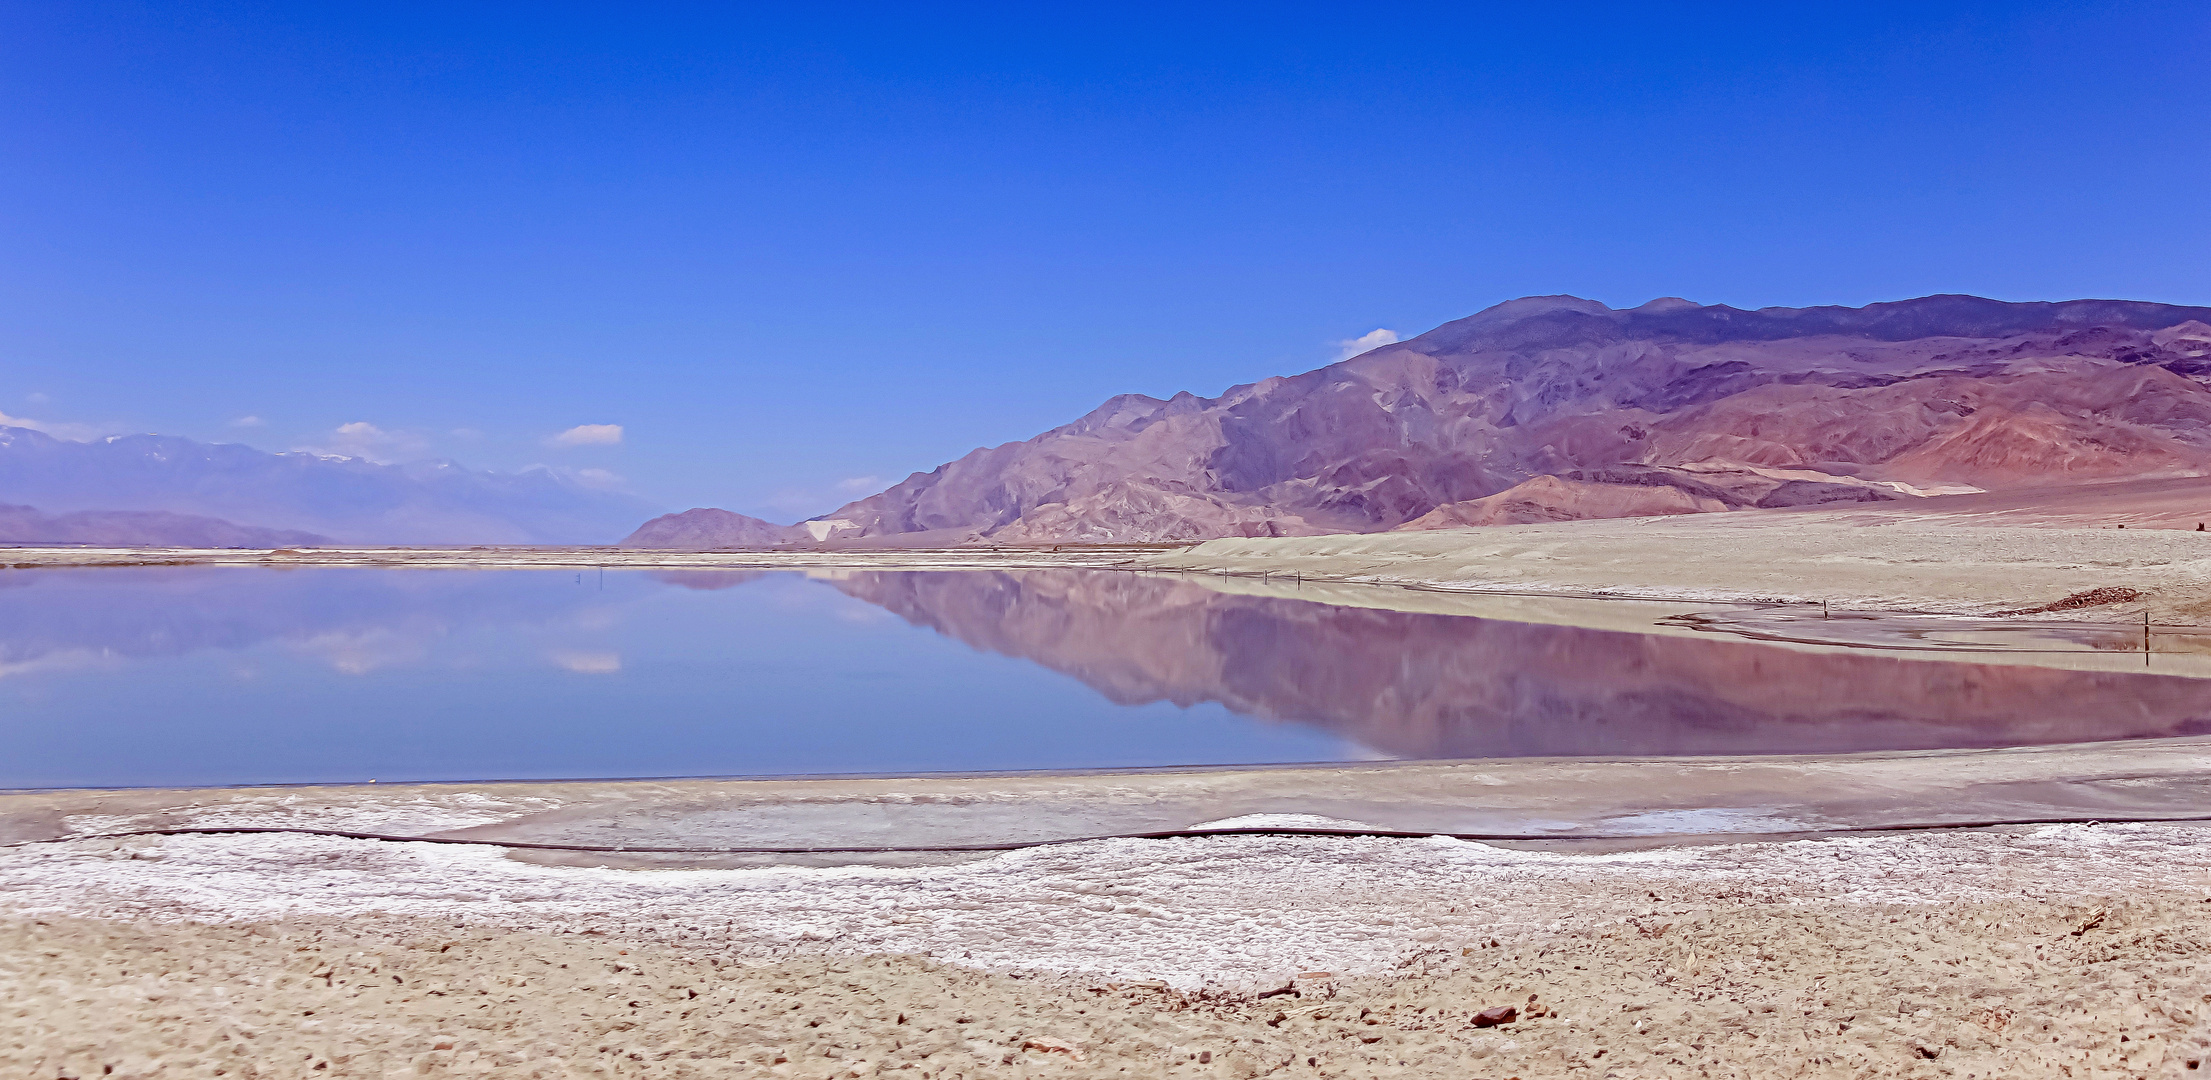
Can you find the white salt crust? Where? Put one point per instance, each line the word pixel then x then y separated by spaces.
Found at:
pixel 1232 911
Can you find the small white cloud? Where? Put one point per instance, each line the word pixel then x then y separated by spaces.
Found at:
pixel 853 485
pixel 63 660
pixel 1372 339
pixel 467 433
pixel 37 398
pixel 249 421
pixel 362 439
pixel 589 663
pixel 589 435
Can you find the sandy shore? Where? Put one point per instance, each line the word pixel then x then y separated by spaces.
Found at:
pixel 1556 803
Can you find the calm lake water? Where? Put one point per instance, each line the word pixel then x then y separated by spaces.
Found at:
pixel 173 676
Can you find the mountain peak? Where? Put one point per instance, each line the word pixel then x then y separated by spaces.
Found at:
pixel 1528 307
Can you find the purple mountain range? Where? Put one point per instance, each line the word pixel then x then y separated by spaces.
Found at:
pixel 1555 407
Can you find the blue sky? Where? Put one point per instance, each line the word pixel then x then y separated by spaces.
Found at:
pixel 792 248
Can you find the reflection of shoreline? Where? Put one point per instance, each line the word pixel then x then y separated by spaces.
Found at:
pixel 1426 685
pixel 706 580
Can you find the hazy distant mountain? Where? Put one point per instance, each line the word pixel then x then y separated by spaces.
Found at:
pixel 1718 407
pixel 141 528
pixel 345 498
pixel 701 529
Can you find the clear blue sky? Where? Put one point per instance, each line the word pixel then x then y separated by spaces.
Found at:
pixel 788 246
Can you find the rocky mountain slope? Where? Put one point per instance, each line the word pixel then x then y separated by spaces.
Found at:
pixel 350 499
pixel 141 528
pixel 1671 407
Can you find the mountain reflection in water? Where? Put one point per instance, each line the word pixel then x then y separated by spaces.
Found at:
pixel 171 676
pixel 1447 686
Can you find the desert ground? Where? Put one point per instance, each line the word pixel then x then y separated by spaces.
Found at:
pixel 1762 924
pixel 1763 556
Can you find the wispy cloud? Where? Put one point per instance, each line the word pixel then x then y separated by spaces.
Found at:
pixel 60 430
pixel 599 479
pixel 589 435
pixel 1372 339
pixel 794 502
pixel 249 422
pixel 589 663
pixel 806 501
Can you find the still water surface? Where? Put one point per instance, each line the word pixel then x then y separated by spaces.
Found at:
pixel 175 676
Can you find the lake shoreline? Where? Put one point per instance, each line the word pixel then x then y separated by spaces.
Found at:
pixel 1850 559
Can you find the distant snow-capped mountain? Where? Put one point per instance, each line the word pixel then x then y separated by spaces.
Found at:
pixel 141 528
pixel 346 499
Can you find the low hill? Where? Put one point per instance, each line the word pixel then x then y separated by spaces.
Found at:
pixel 702 529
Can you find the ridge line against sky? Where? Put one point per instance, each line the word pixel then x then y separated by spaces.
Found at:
pixel 793 257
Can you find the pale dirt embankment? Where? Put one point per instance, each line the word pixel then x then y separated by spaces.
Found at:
pixel 1756 556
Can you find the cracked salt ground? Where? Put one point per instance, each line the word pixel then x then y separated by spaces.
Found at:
pixel 404 816
pixel 1228 912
